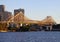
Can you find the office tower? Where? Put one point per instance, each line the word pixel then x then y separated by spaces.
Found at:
pixel 19 15
pixel 2 8
pixel 4 15
pixel 7 15
pixel 16 11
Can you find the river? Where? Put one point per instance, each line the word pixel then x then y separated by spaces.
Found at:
pixel 42 36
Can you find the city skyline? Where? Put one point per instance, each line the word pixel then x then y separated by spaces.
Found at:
pixel 36 10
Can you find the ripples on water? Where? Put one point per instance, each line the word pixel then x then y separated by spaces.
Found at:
pixel 30 37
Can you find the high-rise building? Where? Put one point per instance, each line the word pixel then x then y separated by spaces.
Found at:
pixel 7 15
pixel 20 16
pixel 4 15
pixel 16 11
pixel 1 16
pixel 2 8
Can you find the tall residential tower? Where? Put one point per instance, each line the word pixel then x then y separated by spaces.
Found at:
pixel 2 7
pixel 16 11
pixel 4 15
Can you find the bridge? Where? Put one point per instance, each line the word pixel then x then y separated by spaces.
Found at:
pixel 20 18
pixel 48 20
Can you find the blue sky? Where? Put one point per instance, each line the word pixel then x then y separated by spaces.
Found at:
pixel 35 9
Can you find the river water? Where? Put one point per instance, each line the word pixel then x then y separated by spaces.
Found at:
pixel 42 36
